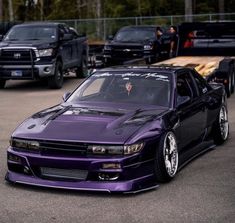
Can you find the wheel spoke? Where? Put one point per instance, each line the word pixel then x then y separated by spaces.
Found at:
pixel 170 154
pixel 223 122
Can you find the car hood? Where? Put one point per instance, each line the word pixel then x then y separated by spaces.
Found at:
pixel 91 125
pixel 30 43
pixel 115 43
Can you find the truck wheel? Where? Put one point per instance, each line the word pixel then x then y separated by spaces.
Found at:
pixel 166 159
pixel 2 84
pixel 220 129
pixel 228 86
pixel 151 60
pixel 233 79
pixel 56 81
pixel 82 70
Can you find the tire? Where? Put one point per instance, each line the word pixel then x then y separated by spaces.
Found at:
pixel 233 79
pixel 56 81
pixel 228 86
pixel 151 60
pixel 220 131
pixel 226 68
pixel 82 70
pixel 2 84
pixel 166 160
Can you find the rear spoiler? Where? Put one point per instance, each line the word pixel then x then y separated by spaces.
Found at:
pixel 206 38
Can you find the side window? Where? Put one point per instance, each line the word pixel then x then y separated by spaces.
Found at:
pixel 62 30
pixel 185 86
pixel 201 84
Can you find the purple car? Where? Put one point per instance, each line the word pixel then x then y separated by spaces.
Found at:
pixel 124 129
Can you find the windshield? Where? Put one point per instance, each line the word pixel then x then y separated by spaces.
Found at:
pixel 31 33
pixel 120 87
pixel 134 35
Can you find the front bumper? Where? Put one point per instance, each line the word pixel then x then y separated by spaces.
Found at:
pixel 134 175
pixel 27 71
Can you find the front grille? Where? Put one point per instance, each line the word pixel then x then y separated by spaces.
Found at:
pixel 17 56
pixel 131 47
pixel 128 52
pixel 63 174
pixel 51 148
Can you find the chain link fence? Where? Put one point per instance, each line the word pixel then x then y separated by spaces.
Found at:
pixel 100 29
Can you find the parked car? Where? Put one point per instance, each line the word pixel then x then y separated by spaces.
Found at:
pixel 42 50
pixel 124 129
pixel 135 42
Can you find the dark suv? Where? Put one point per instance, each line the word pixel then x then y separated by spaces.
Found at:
pixel 134 42
pixel 42 50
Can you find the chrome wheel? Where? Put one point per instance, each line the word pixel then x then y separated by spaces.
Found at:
pixel 223 123
pixel 170 154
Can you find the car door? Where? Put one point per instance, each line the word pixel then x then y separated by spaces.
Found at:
pixel 77 48
pixel 192 113
pixel 211 100
pixel 65 47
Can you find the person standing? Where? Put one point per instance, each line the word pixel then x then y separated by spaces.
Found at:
pixel 173 41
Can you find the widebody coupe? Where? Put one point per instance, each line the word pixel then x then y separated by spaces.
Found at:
pixel 124 129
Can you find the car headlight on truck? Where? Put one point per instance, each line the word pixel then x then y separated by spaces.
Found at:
pixel 148 47
pixel 25 144
pixel 107 47
pixel 45 52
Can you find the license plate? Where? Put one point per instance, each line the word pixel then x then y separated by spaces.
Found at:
pixel 16 73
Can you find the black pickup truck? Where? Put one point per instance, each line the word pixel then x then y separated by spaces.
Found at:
pixel 136 42
pixel 42 50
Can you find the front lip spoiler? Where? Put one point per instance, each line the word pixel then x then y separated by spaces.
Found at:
pixel 125 187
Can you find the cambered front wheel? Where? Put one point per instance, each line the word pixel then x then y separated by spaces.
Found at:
pixel 166 160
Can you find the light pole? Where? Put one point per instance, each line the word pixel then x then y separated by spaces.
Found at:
pixel 188 10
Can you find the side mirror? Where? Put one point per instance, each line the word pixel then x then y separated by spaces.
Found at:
pixel 67 36
pixel 110 37
pixel 66 96
pixel 182 100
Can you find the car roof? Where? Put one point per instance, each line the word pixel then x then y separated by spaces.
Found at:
pixel 140 27
pixel 39 24
pixel 151 68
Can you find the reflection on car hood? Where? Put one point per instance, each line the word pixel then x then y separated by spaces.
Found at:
pixel 28 43
pixel 94 125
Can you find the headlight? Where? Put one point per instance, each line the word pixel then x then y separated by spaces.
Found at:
pixel 115 150
pixel 45 52
pixel 148 47
pixel 107 47
pixel 25 144
pixel 103 150
pixel 134 148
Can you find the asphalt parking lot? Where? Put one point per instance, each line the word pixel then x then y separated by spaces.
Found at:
pixel 203 191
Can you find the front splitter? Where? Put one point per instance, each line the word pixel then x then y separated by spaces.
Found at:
pixel 131 186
